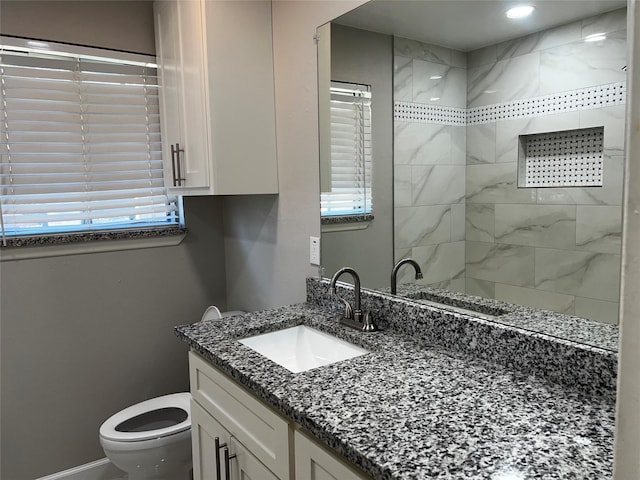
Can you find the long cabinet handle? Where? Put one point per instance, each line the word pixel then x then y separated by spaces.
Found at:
pixel 218 446
pixel 176 164
pixel 227 457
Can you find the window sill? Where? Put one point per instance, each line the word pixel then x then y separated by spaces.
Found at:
pixel 43 246
pixel 340 223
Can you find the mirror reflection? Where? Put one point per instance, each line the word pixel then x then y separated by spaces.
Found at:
pixel 497 149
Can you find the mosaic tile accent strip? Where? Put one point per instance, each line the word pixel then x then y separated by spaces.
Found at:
pixel 598 96
pixel 582 99
pixel 426 113
pixel 561 159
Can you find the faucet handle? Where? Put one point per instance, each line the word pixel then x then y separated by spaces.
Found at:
pixel 348 311
pixel 367 322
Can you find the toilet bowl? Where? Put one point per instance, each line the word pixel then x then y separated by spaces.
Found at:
pixel 151 439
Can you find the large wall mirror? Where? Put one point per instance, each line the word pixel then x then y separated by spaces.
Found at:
pixel 496 149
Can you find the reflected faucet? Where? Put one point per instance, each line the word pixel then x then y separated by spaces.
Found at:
pixel 394 273
pixel 352 317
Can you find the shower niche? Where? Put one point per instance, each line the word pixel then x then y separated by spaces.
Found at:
pixel 568 158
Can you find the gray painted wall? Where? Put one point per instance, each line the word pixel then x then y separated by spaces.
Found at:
pixel 84 336
pixel 359 56
pixel 84 23
pixel 267 238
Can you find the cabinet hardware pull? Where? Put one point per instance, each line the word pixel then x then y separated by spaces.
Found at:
pixel 173 164
pixel 227 457
pixel 218 447
pixel 176 165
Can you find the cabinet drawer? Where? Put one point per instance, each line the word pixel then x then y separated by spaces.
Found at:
pixel 265 433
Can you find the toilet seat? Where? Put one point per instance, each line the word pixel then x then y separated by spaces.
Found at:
pixel 109 429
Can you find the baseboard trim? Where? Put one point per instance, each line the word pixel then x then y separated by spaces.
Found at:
pixel 101 469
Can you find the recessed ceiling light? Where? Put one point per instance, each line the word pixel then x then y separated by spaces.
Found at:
pixel 595 37
pixel 434 99
pixel 435 77
pixel 520 11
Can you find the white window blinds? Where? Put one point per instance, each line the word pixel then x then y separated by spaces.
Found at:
pixel 350 151
pixel 80 144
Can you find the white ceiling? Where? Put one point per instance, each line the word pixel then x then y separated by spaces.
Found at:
pixel 467 25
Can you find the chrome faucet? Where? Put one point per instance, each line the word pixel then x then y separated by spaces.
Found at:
pixel 394 273
pixel 353 317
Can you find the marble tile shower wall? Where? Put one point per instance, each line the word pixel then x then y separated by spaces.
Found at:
pixel 430 162
pixel 554 248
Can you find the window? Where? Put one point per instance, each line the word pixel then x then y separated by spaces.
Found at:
pixel 350 151
pixel 80 141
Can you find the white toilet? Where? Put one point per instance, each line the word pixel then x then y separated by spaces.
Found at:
pixel 151 439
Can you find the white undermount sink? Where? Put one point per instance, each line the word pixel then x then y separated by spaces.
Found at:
pixel 302 348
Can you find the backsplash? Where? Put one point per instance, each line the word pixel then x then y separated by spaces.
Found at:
pixel 590 369
pixel 459 211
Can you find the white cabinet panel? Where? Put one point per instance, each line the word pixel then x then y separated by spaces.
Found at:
pixel 183 98
pixel 244 466
pixel 209 464
pixel 313 462
pixel 260 429
pixel 204 430
pixel 262 444
pixel 239 52
pixel 215 63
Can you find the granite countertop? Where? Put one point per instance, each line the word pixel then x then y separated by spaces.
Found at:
pixel 414 411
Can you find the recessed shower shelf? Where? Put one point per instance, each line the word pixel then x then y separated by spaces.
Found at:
pixel 569 158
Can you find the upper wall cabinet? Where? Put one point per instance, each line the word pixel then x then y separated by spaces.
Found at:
pixel 215 63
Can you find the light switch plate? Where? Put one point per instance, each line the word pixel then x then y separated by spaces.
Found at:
pixel 314 250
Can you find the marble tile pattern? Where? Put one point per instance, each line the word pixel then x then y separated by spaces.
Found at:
pixel 549 81
pixel 411 409
pixel 430 157
pixel 558 102
pixel 558 247
pixel 551 61
pixel 441 263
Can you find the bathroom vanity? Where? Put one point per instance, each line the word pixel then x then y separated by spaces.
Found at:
pixel 413 407
pixel 235 432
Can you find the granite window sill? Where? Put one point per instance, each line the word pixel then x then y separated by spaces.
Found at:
pixel 41 246
pixel 339 223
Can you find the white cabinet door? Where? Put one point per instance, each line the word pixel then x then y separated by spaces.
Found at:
pixel 204 431
pixel 239 55
pixel 244 466
pixel 226 459
pixel 183 96
pixel 215 65
pixel 313 462
pixel 260 429
pixel 168 59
